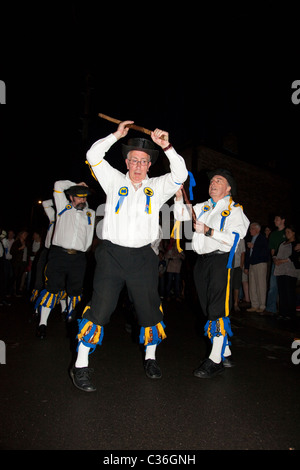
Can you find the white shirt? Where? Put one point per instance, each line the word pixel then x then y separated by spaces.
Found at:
pixel 50 212
pixel 225 218
pixel 131 216
pixel 156 243
pixel 238 253
pixel 7 244
pixel 35 248
pixel 74 229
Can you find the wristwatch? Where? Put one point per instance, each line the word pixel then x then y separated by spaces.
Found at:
pixel 208 233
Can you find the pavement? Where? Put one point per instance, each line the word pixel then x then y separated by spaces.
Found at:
pixel 252 406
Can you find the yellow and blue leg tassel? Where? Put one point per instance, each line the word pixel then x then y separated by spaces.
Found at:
pixel 62 295
pixel 34 295
pixel 47 299
pixel 72 302
pixel 152 334
pixel 219 327
pixel 90 335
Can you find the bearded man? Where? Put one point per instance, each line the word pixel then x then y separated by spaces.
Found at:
pixel 72 237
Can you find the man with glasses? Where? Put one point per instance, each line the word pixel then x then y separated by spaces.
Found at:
pixel 125 256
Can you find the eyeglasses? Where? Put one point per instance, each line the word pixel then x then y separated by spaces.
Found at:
pixel 134 161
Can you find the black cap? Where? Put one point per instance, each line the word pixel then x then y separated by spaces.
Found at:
pixel 143 145
pixel 78 191
pixel 226 174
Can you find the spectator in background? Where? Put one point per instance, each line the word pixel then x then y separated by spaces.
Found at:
pixel 239 259
pixel 245 274
pixel 297 249
pixel 7 266
pixel 257 265
pixel 39 281
pixel 267 231
pixel 20 253
pixel 34 251
pixel 275 239
pixel 286 265
pixel 174 259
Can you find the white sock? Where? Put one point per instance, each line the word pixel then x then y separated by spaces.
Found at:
pixel 69 305
pixel 215 354
pixel 45 312
pixel 82 356
pixel 63 305
pixel 150 351
pixel 227 351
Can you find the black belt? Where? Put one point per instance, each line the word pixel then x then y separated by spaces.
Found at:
pixel 212 253
pixel 70 251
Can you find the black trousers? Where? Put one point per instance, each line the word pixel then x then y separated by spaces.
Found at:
pixel 65 271
pixel 213 284
pixel 117 266
pixel 287 295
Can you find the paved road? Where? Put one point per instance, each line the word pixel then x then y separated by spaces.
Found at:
pixel 252 406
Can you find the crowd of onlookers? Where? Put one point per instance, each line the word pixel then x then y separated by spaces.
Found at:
pixel 265 275
pixel 271 269
pixel 17 255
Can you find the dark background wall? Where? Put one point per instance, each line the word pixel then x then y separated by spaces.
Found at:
pixel 261 192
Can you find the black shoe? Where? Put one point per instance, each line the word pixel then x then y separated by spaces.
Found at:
pixel 81 377
pixel 41 332
pixel 228 362
pixel 208 369
pixel 152 369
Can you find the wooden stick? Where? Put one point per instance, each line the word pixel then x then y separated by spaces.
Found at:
pixel 190 207
pixel 131 126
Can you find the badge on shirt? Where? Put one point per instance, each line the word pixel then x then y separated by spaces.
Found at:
pixel 67 208
pixel 149 193
pixel 89 215
pixel 224 214
pixel 205 208
pixel 123 192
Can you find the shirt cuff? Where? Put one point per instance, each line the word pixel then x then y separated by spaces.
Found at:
pixel 98 150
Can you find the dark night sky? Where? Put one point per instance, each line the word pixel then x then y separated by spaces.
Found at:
pixel 197 73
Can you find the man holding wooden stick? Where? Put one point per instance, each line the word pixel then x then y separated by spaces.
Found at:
pixel 219 223
pixel 131 224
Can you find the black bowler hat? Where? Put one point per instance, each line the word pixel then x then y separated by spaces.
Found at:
pixel 226 174
pixel 143 145
pixel 78 191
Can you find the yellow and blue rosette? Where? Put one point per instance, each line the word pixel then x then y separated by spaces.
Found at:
pixel 123 192
pixel 149 193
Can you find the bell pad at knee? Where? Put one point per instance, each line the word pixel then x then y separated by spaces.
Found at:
pixel 152 334
pixel 90 335
pixel 47 299
pixel 219 327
